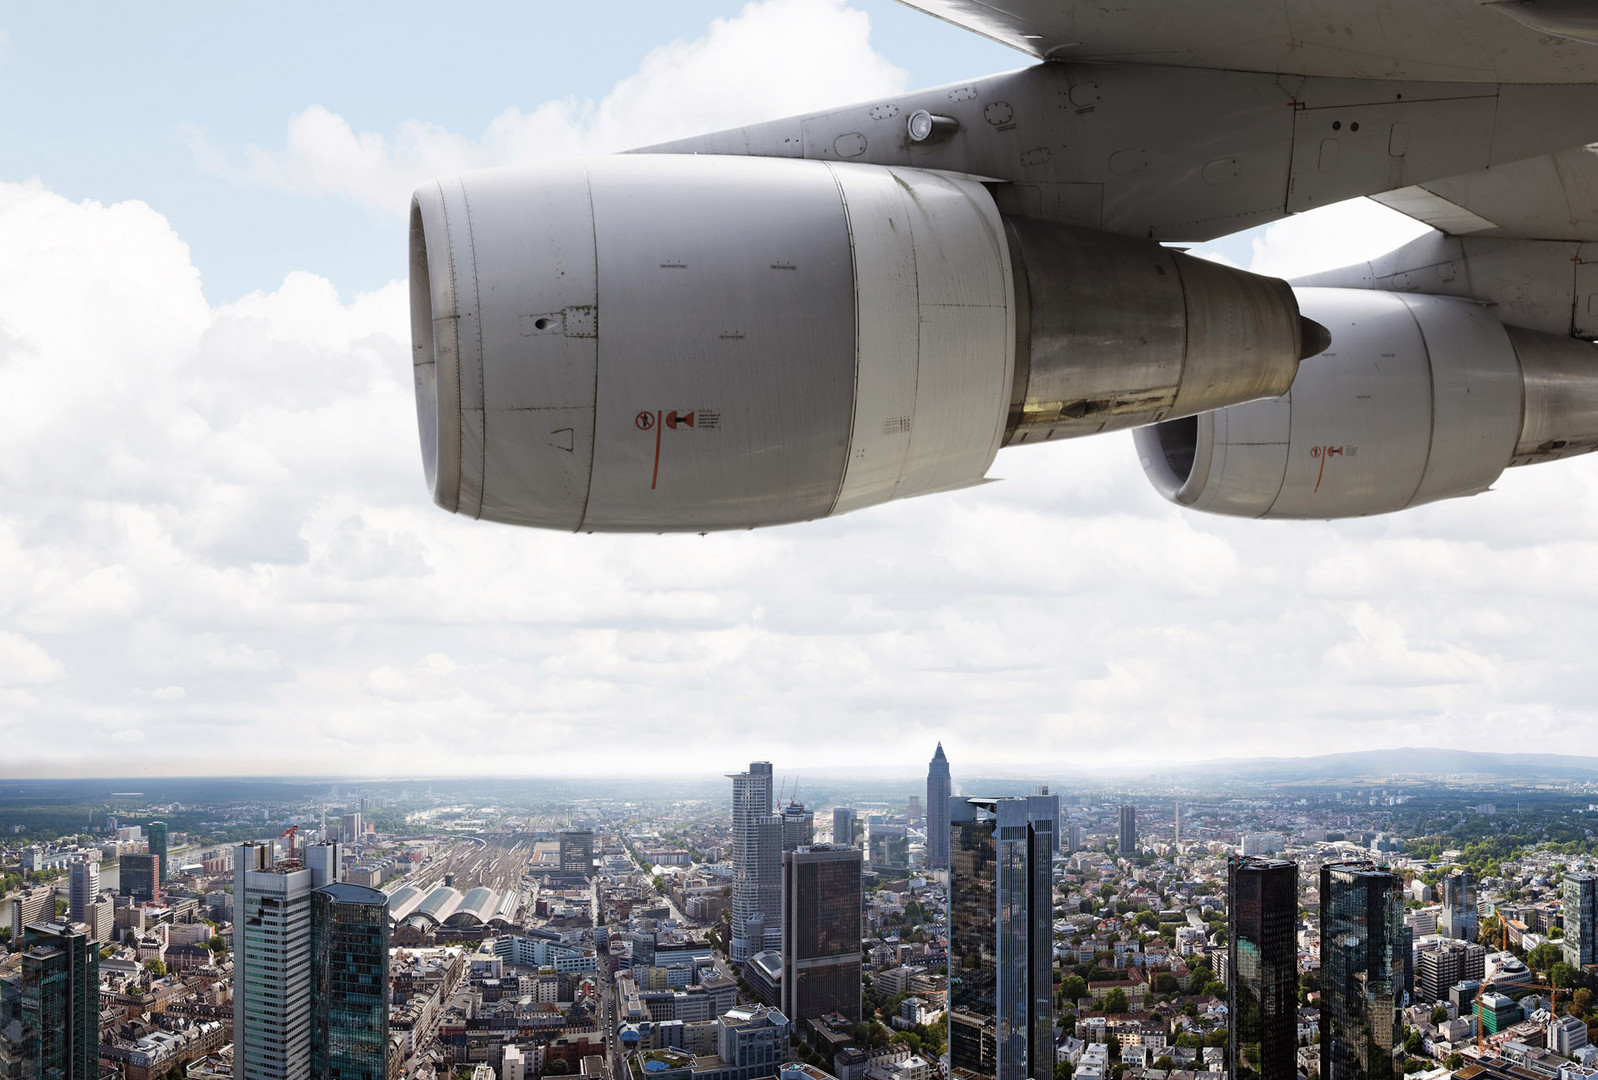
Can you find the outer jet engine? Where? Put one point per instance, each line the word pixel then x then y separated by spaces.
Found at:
pixel 668 342
pixel 1418 398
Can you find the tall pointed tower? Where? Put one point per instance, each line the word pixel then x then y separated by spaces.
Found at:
pixel 939 788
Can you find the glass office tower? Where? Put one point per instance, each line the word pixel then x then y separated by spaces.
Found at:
pixel 940 786
pixel 349 983
pixel 1001 1006
pixel 1363 956
pixel 1262 961
pixel 821 932
pixel 60 1002
pixel 1580 895
pixel 157 847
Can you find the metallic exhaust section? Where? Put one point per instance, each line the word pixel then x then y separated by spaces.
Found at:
pixel 1116 333
pixel 1559 407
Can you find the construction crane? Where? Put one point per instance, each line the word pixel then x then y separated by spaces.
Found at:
pixel 1503 946
pixel 290 833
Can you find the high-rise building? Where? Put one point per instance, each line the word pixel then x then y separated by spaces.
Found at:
pixel 798 827
pixel 912 812
pixel 83 888
pixel 60 1002
pixel 1458 894
pixel 1580 895
pixel 157 847
pixel 1443 963
pixel 845 820
pixel 889 848
pixel 351 830
pixel 33 905
pixel 821 932
pixel 1363 956
pixel 1070 838
pixel 100 915
pixel 939 789
pixel 1126 838
pixel 756 862
pixel 349 983
pixel 1262 968
pixel 1052 805
pixel 1001 1005
pixel 1177 823
pixel 140 877
pixel 322 860
pixel 577 851
pixel 271 966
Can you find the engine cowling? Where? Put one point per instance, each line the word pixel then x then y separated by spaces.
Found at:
pixel 1418 398
pixel 665 343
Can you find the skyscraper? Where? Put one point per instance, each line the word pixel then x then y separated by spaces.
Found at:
pixel 349 983
pixel 1001 1006
pixel 1262 962
pixel 140 877
pixel 1458 895
pixel 889 848
pixel 577 851
pixel 756 841
pixel 60 1002
pixel 83 887
pixel 1363 957
pixel 271 966
pixel 821 932
pixel 157 846
pixel 798 827
pixel 844 819
pixel 1580 895
pixel 1126 840
pixel 939 789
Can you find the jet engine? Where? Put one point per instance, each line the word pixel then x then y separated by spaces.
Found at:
pixel 1418 398
pixel 665 343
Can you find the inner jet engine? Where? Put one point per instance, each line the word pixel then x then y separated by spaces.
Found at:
pixel 1418 398
pixel 666 343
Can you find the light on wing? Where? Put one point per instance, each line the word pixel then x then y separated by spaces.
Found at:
pixel 668 343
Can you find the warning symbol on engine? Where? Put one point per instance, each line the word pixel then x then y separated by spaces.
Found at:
pixel 645 420
pixel 674 418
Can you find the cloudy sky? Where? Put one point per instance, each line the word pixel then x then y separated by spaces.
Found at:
pixel 217 554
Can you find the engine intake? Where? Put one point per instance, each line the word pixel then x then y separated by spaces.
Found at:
pixel 662 342
pixel 1418 398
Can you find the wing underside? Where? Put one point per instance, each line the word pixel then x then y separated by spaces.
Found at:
pixel 1448 40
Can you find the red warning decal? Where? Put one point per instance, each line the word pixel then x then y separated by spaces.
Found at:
pixel 658 420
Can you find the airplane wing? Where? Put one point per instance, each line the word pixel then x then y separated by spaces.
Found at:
pixel 1427 40
pixel 1550 197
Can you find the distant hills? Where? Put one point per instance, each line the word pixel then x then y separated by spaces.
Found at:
pixel 1408 761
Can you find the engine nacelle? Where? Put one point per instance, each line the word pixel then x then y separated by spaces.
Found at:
pixel 1418 398
pixel 663 343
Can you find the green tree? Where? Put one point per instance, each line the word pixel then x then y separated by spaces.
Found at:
pixel 1062 1070
pixel 1114 1043
pixel 1543 956
pixel 1580 1002
pixel 1456 1060
pixel 155 967
pixel 1201 977
pixel 1412 1042
pixel 1440 1015
pixel 217 944
pixel 1115 1002
pixel 1563 975
pixel 558 1067
pixel 1073 988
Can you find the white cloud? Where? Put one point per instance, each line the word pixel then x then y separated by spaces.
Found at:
pixel 1331 237
pixel 24 663
pixel 775 58
pixel 169 693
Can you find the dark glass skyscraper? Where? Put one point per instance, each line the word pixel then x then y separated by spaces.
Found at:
pixel 158 846
pixel 140 877
pixel 1363 956
pixel 349 983
pixel 1126 838
pixel 1580 896
pixel 939 788
pixel 821 922
pixel 1001 1006
pixel 60 1002
pixel 1262 961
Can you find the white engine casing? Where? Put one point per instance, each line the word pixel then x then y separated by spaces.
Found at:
pixel 817 337
pixel 1418 398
